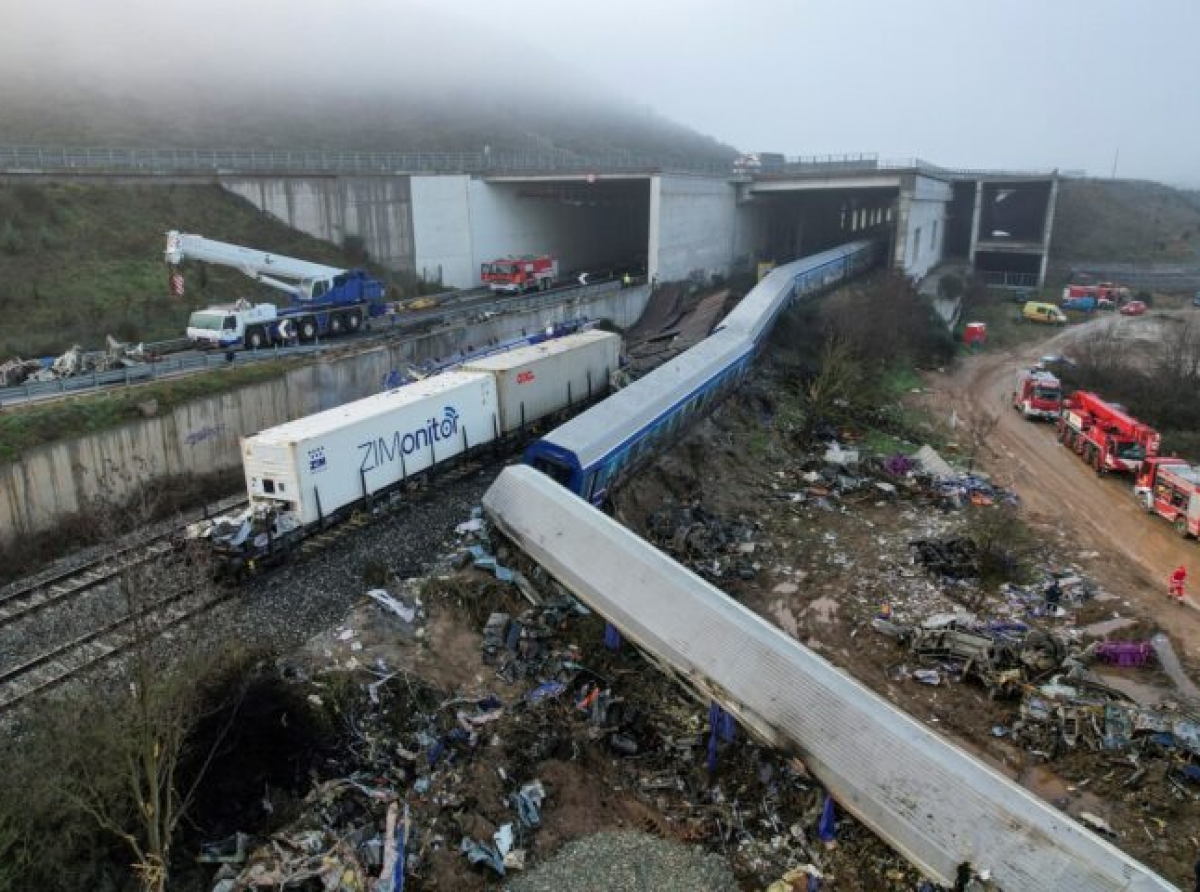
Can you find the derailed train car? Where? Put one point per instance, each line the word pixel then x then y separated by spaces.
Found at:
pixel 305 474
pixel 937 805
pixel 594 452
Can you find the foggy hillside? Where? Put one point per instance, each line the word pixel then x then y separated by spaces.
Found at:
pixel 364 74
pixel 1131 220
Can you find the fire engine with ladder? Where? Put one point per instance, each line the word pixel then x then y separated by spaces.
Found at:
pixel 1106 436
pixel 1170 488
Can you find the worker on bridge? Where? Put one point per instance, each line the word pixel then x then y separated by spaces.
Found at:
pixel 1177 581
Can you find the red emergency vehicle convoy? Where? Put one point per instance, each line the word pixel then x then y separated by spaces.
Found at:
pixel 1037 394
pixel 513 275
pixel 1106 436
pixel 1170 488
pixel 1104 291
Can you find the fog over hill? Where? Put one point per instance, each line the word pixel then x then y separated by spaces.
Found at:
pixel 359 74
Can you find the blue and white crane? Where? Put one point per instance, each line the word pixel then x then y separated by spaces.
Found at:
pixel 323 300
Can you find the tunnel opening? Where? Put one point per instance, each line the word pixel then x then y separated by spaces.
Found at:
pixel 792 224
pixel 598 226
pixel 1014 212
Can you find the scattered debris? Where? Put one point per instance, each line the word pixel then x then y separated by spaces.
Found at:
pixel 75 361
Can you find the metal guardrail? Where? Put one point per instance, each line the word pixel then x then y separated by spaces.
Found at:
pixel 98 159
pixel 180 365
pixel 140 374
pixel 82 160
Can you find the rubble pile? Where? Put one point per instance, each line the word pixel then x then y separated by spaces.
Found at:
pixel 75 361
pixel 1002 656
pixel 461 788
pixel 712 546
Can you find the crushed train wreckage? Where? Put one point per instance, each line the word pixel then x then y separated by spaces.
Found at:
pixel 74 362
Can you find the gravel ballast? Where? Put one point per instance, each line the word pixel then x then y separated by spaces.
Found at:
pixel 625 861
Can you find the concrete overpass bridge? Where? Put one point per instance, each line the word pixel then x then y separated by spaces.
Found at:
pixel 440 215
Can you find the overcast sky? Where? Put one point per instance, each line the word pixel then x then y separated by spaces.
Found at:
pixel 1005 83
pixel 1018 83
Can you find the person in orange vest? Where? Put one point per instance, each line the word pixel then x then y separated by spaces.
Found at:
pixel 1175 588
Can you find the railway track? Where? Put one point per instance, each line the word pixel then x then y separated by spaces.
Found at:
pixel 56 666
pixel 67 659
pixel 25 598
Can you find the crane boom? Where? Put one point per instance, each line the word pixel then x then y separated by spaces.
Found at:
pixel 304 280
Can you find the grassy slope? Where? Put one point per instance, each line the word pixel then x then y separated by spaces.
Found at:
pixel 1125 220
pixel 24 427
pixel 79 261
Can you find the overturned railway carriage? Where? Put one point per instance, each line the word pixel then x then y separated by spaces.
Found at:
pixel 592 453
pixel 934 803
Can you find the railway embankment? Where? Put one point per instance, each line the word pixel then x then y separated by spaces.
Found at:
pixel 60 477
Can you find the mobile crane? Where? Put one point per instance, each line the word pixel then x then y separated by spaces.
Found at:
pixel 323 300
pixel 1106 436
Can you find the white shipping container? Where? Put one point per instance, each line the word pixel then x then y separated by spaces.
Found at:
pixel 318 464
pixel 544 378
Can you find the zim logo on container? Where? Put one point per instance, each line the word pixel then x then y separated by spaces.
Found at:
pixel 387 449
pixel 316 459
pixel 525 377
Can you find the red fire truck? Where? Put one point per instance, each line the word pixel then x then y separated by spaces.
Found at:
pixel 1105 435
pixel 1037 394
pixel 513 275
pixel 1170 488
pixel 1104 291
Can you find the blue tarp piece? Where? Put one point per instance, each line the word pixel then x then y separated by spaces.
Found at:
pixel 827 826
pixel 479 853
pixel 612 637
pixel 545 691
pixel 721 726
pixel 528 801
pixel 485 561
pixel 435 752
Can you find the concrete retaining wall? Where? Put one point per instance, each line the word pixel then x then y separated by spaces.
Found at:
pixel 203 436
pixel 377 209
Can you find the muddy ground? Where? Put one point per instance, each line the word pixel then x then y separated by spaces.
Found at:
pixel 779 537
pixel 1133 553
pixel 822 566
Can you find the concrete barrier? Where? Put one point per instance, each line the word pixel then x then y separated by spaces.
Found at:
pixel 202 436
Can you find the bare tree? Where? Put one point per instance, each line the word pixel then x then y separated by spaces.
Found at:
pixel 123 767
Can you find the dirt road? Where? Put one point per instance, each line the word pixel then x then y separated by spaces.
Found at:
pixel 1061 495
